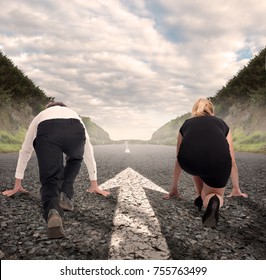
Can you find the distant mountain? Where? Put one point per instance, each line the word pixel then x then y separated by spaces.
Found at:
pixel 21 100
pixel 167 134
pixel 241 103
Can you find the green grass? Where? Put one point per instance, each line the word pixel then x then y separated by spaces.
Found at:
pixel 254 142
pixel 9 148
pixel 11 142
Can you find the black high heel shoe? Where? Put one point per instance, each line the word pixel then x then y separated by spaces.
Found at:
pixel 211 215
pixel 198 202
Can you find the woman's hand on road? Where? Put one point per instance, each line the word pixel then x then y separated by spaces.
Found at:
pixel 172 194
pixel 237 193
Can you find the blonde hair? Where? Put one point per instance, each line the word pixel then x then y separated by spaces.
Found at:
pixel 202 107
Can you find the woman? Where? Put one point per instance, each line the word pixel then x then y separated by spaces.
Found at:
pixel 205 150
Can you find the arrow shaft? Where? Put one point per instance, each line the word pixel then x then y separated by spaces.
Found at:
pixel 136 232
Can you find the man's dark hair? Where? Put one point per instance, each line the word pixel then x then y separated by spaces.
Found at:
pixel 53 103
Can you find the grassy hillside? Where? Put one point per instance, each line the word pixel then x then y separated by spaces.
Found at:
pixel 96 133
pixel 20 98
pixel 241 103
pixel 20 101
pixel 167 134
pixel 247 86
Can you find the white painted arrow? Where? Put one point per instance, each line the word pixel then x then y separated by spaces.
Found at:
pixel 136 233
pixel 127 151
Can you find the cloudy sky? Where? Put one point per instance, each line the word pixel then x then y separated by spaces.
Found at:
pixel 131 65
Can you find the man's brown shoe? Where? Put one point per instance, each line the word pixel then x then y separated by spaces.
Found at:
pixel 65 203
pixel 55 225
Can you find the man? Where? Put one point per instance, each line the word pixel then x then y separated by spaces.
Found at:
pixel 56 131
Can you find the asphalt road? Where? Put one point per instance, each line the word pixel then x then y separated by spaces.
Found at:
pixel 240 234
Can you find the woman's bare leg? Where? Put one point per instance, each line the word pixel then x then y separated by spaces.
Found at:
pixel 208 192
pixel 198 185
pixel 212 201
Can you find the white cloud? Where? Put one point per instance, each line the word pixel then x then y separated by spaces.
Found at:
pixel 131 65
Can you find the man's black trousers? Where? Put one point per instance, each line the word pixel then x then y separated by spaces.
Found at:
pixel 56 138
